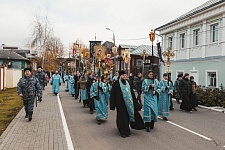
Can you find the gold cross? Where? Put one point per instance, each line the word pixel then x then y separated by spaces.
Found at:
pixel 144 55
pixel 168 53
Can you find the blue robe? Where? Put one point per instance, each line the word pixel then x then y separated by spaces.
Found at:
pixel 107 93
pixel 164 98
pixel 100 104
pixel 66 78
pixel 72 81
pixel 55 81
pixel 69 86
pixel 150 100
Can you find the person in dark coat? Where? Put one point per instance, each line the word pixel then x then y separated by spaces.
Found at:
pixel 139 81
pixel 193 96
pixel 185 91
pixel 76 84
pixel 27 88
pixel 40 75
pixel 122 98
pixel 88 87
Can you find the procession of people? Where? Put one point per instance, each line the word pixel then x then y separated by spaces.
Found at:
pixel 100 93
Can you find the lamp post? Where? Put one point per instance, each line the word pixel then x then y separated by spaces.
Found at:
pixel 144 55
pixel 152 38
pixel 168 53
pixel 114 42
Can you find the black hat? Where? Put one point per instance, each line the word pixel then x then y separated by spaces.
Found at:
pixel 179 75
pixel 39 67
pixel 122 72
pixel 165 75
pixel 191 77
pixel 25 69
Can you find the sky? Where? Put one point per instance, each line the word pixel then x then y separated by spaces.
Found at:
pixel 130 20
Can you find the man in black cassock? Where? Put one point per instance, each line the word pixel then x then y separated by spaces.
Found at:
pixel 122 98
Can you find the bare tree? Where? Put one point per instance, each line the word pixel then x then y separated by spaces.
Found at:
pixel 43 40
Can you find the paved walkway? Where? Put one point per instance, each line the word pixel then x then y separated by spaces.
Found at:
pixel 44 132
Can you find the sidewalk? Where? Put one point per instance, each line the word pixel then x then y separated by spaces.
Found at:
pixel 44 132
pixel 214 108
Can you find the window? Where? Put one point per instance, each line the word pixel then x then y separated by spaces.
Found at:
pixel 196 37
pixel 214 32
pixel 211 79
pixel 170 42
pixel 139 62
pixel 182 40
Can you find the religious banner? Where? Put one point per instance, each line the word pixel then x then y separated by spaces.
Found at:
pixel 92 44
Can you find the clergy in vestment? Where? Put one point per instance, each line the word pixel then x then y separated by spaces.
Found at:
pixel 97 92
pixel 165 96
pixel 72 81
pixel 66 78
pixel 55 81
pixel 151 90
pixel 122 98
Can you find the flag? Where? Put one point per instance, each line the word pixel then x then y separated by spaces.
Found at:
pixel 160 52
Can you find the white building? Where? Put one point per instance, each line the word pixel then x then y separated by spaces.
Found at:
pixel 198 40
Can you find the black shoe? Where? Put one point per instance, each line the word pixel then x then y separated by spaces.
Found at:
pixel 26 115
pixel 195 109
pixel 152 123
pixel 30 115
pixel 122 135
pixel 178 101
pixel 148 129
pixel 91 112
pixel 99 122
pixel 72 95
pixel 171 109
pixel 164 118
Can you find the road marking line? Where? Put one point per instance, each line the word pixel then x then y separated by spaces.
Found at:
pixel 188 130
pixel 65 127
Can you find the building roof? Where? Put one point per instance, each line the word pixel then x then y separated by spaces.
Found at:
pixel 211 58
pixel 139 50
pixel 131 47
pixel 6 54
pixel 194 11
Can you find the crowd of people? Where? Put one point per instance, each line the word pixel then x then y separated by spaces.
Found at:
pixel 98 92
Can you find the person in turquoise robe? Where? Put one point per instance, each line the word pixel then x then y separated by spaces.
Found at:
pixel 56 81
pixel 100 101
pixel 109 87
pixel 151 90
pixel 69 84
pixel 165 96
pixel 66 78
pixel 72 81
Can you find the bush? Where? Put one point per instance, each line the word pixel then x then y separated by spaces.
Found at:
pixel 211 97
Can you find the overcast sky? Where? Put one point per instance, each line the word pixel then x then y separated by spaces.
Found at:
pixel 73 19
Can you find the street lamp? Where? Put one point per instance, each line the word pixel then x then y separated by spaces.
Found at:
pixel 113 36
pixel 152 38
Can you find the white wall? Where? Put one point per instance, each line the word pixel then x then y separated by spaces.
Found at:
pixel 12 77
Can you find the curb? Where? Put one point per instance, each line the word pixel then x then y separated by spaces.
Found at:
pixel 218 109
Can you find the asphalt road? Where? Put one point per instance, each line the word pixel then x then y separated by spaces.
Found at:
pixel 202 130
